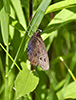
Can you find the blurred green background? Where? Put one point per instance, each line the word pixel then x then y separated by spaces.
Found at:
pixel 57 19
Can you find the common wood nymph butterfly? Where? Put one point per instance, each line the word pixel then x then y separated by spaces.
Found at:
pixel 36 51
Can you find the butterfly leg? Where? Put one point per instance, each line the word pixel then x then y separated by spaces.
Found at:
pixel 31 28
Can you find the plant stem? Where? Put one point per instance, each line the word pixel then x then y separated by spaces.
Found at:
pixel 31 9
pixel 6 78
pixel 70 72
pixel 9 57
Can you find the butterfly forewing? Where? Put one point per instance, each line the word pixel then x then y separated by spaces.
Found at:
pixel 32 53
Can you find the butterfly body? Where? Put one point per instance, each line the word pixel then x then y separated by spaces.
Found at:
pixel 36 51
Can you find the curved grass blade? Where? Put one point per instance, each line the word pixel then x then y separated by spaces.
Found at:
pixel 61 5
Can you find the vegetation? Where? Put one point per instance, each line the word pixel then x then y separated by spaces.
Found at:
pixel 57 20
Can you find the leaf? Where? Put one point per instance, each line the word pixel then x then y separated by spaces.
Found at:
pixel 59 21
pixel 7 5
pixel 68 92
pixel 59 85
pixel 4 26
pixel 17 6
pixel 25 82
pixel 60 5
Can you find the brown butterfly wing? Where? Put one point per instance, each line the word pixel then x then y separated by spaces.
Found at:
pixel 43 59
pixel 32 51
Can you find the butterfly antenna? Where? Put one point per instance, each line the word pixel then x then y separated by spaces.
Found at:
pixel 33 30
pixel 38 29
pixel 49 29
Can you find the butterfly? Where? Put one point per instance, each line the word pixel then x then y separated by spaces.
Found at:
pixel 36 51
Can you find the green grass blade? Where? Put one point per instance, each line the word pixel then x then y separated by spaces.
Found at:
pixel 39 14
pixel 17 6
pixel 7 5
pixel 60 5
pixel 72 65
pixel 59 21
pixel 17 25
pixel 5 36
pixel 4 26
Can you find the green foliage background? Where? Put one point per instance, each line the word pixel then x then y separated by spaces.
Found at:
pixel 17 80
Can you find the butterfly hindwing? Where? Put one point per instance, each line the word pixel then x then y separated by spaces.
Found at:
pixel 43 60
